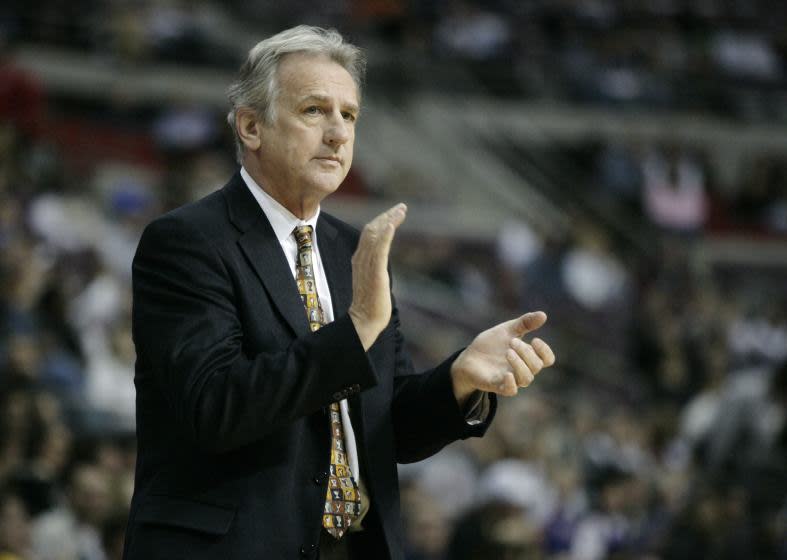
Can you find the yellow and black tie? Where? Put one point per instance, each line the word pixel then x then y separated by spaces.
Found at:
pixel 343 498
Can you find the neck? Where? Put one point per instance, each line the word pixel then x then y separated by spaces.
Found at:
pixel 302 206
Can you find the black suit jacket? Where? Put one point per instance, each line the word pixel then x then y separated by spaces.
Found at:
pixel 232 390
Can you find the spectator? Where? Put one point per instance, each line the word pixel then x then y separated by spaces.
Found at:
pixel 674 194
pixel 72 531
pixel 473 33
pixel 495 530
pixel 606 530
pixel 14 527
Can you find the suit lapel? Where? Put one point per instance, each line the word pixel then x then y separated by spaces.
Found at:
pixel 258 242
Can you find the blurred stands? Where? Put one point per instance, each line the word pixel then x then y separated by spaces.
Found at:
pixel 621 164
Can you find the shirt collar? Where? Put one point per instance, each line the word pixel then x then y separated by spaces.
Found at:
pixel 282 220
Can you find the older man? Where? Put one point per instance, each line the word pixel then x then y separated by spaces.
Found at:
pixel 274 393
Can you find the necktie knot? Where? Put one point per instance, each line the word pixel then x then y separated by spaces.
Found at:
pixel 303 236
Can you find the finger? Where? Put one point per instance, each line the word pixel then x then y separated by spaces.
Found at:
pixel 522 373
pixel 544 351
pixel 396 217
pixel 397 214
pixel 372 230
pixel 507 385
pixel 378 234
pixel 526 323
pixel 528 355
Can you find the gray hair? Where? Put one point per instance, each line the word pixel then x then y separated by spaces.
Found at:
pixel 257 87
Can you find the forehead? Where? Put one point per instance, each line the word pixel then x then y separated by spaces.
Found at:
pixel 305 74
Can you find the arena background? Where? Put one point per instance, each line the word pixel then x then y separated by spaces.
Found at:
pixel 620 164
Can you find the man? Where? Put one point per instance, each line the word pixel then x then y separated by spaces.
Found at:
pixel 274 395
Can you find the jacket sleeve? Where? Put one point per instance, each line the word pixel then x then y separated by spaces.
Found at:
pixel 188 337
pixel 426 416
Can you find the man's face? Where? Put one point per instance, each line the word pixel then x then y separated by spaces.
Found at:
pixel 307 150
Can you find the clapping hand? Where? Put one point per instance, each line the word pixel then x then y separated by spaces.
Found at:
pixel 370 310
pixel 499 361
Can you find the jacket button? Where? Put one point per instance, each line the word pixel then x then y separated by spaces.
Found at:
pixel 319 478
pixel 308 549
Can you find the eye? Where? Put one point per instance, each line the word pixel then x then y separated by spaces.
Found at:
pixel 312 110
pixel 349 117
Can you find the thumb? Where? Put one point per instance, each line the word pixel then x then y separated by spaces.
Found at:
pixel 526 323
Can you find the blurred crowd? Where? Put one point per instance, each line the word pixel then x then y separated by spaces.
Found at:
pixel 676 451
pixel 721 56
pixel 662 433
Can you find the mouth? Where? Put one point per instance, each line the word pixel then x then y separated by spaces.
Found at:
pixel 331 160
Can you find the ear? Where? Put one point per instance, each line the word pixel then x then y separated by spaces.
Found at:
pixel 249 126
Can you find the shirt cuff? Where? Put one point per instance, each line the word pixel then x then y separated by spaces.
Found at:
pixel 476 408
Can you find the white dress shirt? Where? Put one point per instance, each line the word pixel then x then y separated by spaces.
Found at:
pixel 283 223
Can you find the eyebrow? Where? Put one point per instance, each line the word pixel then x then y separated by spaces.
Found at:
pixel 325 99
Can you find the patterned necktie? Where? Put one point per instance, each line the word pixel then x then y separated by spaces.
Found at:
pixel 343 498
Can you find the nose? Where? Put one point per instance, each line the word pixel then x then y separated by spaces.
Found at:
pixel 337 131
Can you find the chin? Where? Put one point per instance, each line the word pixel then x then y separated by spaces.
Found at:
pixel 327 185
